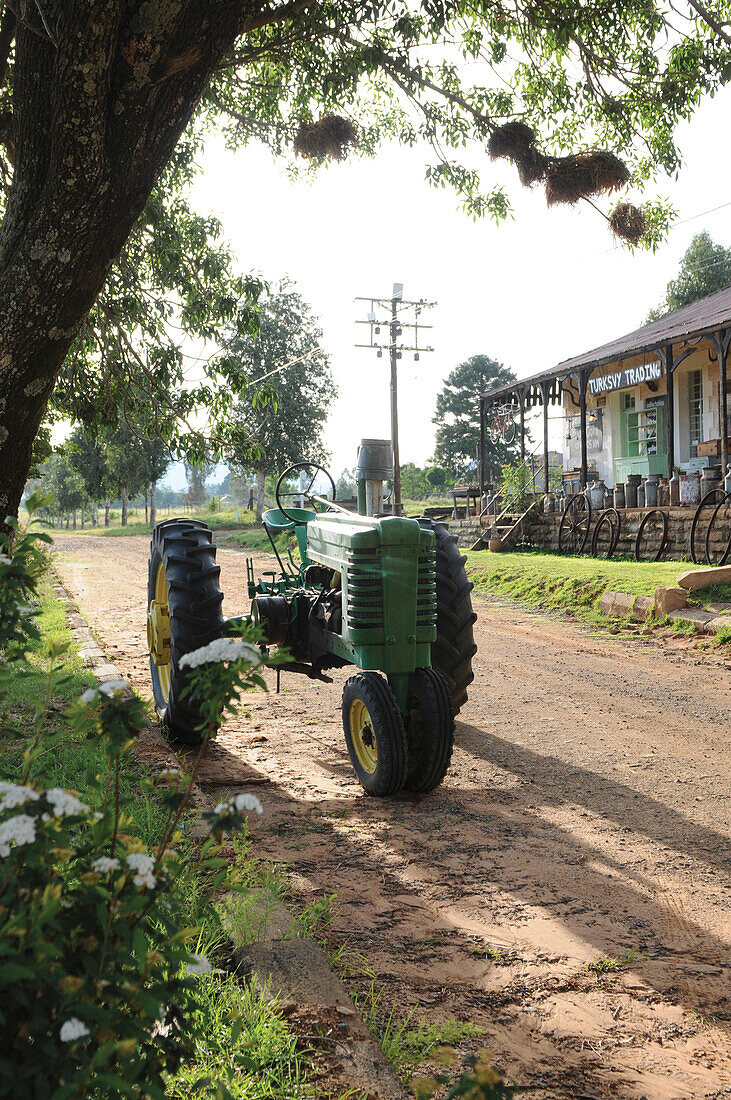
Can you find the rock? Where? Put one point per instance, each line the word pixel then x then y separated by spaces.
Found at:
pixel 617 603
pixel 643 607
pixel 668 600
pixel 701 578
pixel 721 622
pixel 699 619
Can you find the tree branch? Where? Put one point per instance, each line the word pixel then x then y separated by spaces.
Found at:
pixel 287 11
pixel 709 18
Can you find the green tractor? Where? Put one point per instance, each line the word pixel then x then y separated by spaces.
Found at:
pixel 386 594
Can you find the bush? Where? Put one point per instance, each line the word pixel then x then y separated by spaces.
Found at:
pixel 98 987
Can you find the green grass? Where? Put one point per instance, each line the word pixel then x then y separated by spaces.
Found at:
pixel 560 582
pixel 408 1042
pixel 248 1045
pixel 608 965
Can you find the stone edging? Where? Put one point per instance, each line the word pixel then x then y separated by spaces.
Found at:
pixel 290 969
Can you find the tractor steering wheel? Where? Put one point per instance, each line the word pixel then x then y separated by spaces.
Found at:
pixel 309 492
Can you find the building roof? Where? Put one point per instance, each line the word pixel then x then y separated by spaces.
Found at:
pixel 706 315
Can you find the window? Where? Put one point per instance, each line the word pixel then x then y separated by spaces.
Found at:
pixel 695 410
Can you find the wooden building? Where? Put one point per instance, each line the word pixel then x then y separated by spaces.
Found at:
pixel 645 403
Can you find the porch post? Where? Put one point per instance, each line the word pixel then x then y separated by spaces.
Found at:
pixel 722 339
pixel 583 379
pixel 482 450
pixel 544 399
pixel 670 376
pixel 521 395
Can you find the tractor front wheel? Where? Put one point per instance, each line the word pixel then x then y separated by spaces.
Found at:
pixel 374 734
pixel 183 613
pixel 430 729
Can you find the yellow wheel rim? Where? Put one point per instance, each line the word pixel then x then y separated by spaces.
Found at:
pixel 363 736
pixel 158 632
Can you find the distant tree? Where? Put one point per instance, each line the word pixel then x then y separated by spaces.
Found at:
pixel 196 473
pixel 414 485
pixel 437 477
pixel 345 486
pixel 288 428
pixel 128 466
pixel 89 458
pixel 705 268
pixel 457 416
pixel 60 478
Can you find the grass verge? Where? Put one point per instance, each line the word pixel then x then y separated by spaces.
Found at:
pixel 559 582
pixel 248 1046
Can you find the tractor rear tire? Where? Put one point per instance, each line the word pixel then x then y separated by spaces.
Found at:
pixel 375 734
pixel 430 730
pixel 188 556
pixel 454 648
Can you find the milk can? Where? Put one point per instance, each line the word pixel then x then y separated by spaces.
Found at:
pixel 651 485
pixel 641 495
pixel 690 488
pixel 596 493
pixel 663 492
pixel 710 479
pixel 674 491
pixel 619 495
pixel 630 493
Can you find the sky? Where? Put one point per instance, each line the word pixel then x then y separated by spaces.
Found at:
pixel 545 285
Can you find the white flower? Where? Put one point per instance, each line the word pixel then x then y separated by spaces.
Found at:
pixel 169 773
pixel 5 560
pixel 14 795
pixel 239 802
pixel 72 1030
pixel 64 803
pixel 105 864
pixel 222 649
pixel 108 687
pixel 20 829
pixel 198 964
pixel 143 865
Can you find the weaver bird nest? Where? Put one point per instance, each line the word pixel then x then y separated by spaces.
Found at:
pixel 330 136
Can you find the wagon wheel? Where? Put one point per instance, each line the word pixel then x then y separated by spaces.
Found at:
pixel 721 512
pixel 654 525
pixel 508 432
pixel 606 534
pixel 698 551
pixel 496 429
pixel 575 523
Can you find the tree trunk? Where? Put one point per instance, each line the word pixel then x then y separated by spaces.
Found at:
pixel 97 112
pixel 153 503
pixel 83 516
pixel 94 514
pixel 106 512
pixel 260 475
pixel 68 520
pixel 74 514
pixel 147 518
pixel 125 501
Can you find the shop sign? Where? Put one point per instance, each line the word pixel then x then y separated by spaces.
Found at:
pixel 623 379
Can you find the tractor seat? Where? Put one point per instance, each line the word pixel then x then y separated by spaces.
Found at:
pixel 276 521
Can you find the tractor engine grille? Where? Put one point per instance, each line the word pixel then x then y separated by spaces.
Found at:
pixel 426 593
pixel 365 590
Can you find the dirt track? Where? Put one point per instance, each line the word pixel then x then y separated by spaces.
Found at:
pixel 585 814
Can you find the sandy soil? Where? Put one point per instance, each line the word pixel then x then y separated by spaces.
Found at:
pixel 585 814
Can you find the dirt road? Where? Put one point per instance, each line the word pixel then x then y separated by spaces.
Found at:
pixel 585 815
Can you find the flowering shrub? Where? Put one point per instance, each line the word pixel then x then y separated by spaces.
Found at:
pixel 99 990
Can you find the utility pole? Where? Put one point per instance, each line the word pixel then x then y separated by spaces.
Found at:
pixel 395 323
